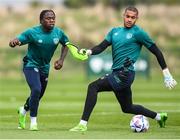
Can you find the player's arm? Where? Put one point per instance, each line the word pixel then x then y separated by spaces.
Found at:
pixel 168 79
pixel 58 64
pixel 64 51
pixel 102 46
pixel 76 53
pixel 22 39
pixel 97 49
pixel 143 38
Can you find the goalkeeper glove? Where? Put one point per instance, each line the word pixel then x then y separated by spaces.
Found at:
pixel 75 52
pixel 168 79
pixel 85 52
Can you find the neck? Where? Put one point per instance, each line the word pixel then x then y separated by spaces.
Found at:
pixel 129 27
pixel 46 29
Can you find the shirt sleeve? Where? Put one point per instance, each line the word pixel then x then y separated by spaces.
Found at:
pixel 156 51
pixel 144 39
pixel 108 37
pixel 100 48
pixel 24 37
pixel 64 39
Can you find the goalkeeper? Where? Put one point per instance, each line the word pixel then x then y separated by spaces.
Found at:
pixel 126 45
pixel 42 41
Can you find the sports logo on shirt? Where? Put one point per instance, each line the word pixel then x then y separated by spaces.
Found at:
pixel 56 40
pixel 129 35
pixel 36 70
pixel 116 33
pixel 40 41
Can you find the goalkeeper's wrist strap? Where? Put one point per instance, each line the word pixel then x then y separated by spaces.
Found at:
pixel 166 72
pixel 89 52
pixel 67 43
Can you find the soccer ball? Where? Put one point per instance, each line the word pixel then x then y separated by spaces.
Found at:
pixel 139 123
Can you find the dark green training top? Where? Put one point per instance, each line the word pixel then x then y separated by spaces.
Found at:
pixel 127 43
pixel 41 46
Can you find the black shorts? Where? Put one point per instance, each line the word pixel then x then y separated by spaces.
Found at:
pixel 120 79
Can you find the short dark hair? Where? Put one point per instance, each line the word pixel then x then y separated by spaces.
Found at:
pixel 132 8
pixel 43 13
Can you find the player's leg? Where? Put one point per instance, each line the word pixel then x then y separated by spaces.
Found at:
pixel 125 99
pixel 44 81
pixel 23 110
pixel 26 105
pixel 33 79
pixel 94 88
pixel 121 82
pixel 99 85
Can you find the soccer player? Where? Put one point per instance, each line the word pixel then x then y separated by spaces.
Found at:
pixel 42 41
pixel 126 45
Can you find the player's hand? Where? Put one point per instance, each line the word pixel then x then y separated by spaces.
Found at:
pixel 168 79
pixel 14 43
pixel 82 51
pixel 58 64
pixel 85 52
pixel 170 82
pixel 76 52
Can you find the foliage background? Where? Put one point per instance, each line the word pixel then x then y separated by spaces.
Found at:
pixel 87 24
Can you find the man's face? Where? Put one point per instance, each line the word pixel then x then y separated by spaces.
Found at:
pixel 130 18
pixel 48 21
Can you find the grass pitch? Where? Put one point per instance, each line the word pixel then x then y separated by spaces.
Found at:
pixel 62 105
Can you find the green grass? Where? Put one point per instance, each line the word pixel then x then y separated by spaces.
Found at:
pixel 62 105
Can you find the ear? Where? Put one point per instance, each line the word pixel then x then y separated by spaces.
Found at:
pixel 41 21
pixel 137 15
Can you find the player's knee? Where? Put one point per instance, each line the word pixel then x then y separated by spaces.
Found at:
pixel 92 86
pixel 92 89
pixel 36 91
pixel 127 109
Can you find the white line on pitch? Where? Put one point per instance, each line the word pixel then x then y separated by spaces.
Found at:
pixel 79 114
